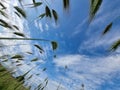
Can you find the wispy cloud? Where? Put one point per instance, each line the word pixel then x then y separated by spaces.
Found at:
pixel 12 47
pixel 95 40
pixel 93 72
pixel 67 60
pixel 108 12
pixel 22 25
pixel 41 27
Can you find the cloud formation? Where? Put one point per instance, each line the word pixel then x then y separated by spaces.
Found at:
pixel 92 71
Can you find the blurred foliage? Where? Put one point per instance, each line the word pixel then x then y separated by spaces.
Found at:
pixel 49 12
pixel 7 82
pixel 94 8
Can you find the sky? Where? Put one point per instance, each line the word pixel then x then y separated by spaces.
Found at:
pixel 82 55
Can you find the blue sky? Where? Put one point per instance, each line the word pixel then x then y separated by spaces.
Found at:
pixel 82 48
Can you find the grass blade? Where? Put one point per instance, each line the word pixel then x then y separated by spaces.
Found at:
pixel 54 45
pixel 20 11
pixel 37 46
pixel 94 7
pixel 66 4
pixel 35 59
pixel 5 38
pixel 115 45
pixel 19 34
pixel 55 15
pixel 107 29
pixel 48 12
pixel 41 16
pixel 17 56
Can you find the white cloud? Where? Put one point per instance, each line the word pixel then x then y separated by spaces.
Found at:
pixel 12 50
pixel 41 27
pixel 103 18
pixel 67 60
pixel 14 46
pixel 11 47
pixel 93 72
pixel 92 43
pixel 79 28
pixel 108 12
pixel 46 26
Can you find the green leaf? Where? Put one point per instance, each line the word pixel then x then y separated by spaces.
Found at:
pixel 29 52
pixel 44 69
pixel 5 60
pixel 3 13
pixel 36 4
pixel 3 6
pixel 35 59
pixel 48 12
pixel 37 74
pixel 115 45
pixel 54 56
pixel 82 85
pixel 94 7
pixel 33 1
pixel 27 72
pixel 17 61
pixel 19 34
pixel 108 27
pixel 46 83
pixel 2 69
pixel 20 59
pixel 54 45
pixel 5 24
pixel 17 56
pixel 20 11
pixel 41 16
pixel 29 77
pixel 15 27
pixel 37 46
pixel 17 14
pixel 55 15
pixel 66 4
pixel 66 67
pixel 39 86
pixel 42 88
pixel 18 64
pixel 20 78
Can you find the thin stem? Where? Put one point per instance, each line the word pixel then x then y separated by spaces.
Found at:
pixel 7 38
